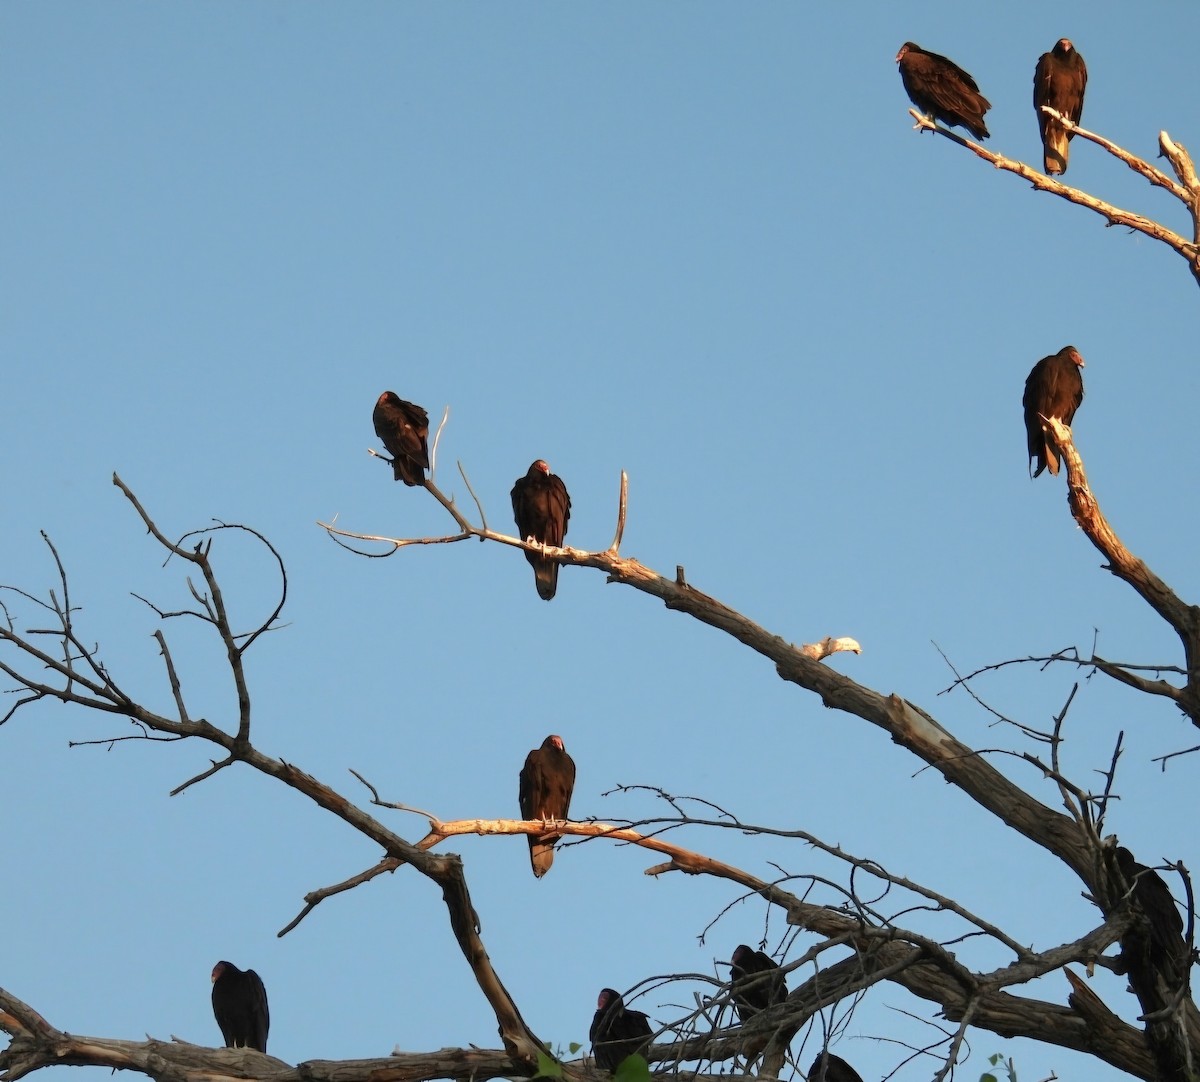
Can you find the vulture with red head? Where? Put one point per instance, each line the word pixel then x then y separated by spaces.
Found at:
pixel 547 781
pixel 617 1033
pixel 404 429
pixel 1059 81
pixel 240 1004
pixel 830 1068
pixel 758 982
pixel 1053 389
pixel 942 90
pixel 542 507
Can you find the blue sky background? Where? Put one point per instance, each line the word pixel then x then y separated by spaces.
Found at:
pixel 701 243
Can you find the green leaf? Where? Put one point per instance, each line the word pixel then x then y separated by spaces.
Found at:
pixel 997 1059
pixel 633 1069
pixel 574 1047
pixel 548 1066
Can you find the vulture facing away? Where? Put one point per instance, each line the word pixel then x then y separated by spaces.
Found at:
pixel 404 429
pixel 547 781
pixel 1053 389
pixel 942 90
pixel 1153 897
pixel 617 1033
pixel 753 992
pixel 542 508
pixel 240 1005
pixel 835 1069
pixel 1059 81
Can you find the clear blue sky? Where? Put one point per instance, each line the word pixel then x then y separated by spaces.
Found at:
pixel 698 242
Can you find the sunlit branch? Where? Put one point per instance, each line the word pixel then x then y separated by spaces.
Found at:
pixel 437 438
pixel 1085 509
pixel 906 723
pixel 622 508
pixel 1143 168
pixel 1113 215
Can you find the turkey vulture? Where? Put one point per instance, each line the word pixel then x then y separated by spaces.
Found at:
pixel 542 508
pixel 547 779
pixel 1059 81
pixel 753 992
pixel 617 1033
pixel 1154 898
pixel 835 1069
pixel 240 1004
pixel 942 90
pixel 404 429
pixel 1053 389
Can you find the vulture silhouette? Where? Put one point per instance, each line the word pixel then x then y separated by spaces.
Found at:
pixel 617 1033
pixel 1059 81
pixel 404 429
pixel 542 508
pixel 547 781
pixel 942 90
pixel 830 1068
pixel 1054 388
pixel 239 1002
pixel 1165 924
pixel 753 989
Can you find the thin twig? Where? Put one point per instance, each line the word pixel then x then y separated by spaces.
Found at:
pixel 437 438
pixel 478 502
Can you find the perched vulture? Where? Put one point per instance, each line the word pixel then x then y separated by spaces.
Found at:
pixel 1154 898
pixel 830 1068
pixel 1059 81
pixel 240 1004
pixel 753 992
pixel 404 429
pixel 547 780
pixel 1053 389
pixel 542 508
pixel 616 1034
pixel 942 90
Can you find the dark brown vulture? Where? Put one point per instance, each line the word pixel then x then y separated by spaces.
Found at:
pixel 547 781
pixel 830 1068
pixel 617 1033
pixel 404 429
pixel 240 1004
pixel 542 509
pixel 1053 389
pixel 942 90
pixel 753 992
pixel 1153 897
pixel 1059 81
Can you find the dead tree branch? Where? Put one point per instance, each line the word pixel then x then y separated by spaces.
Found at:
pixel 1188 193
pixel 78 677
pixel 1183 618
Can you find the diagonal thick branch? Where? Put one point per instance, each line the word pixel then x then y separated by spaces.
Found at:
pixel 1187 191
pixel 904 722
pixel 1183 618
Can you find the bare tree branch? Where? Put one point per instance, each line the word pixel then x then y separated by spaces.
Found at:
pixel 1184 618
pixel 1113 215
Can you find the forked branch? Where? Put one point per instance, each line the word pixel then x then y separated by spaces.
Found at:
pixel 1188 192
pixel 78 677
